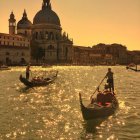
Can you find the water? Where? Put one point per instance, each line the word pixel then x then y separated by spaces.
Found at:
pixel 53 112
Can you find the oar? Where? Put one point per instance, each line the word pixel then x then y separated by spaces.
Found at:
pixel 31 75
pixel 97 87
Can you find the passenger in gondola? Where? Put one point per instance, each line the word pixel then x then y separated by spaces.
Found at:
pixel 28 72
pixel 100 98
pixel 104 98
pixel 110 79
pixel 108 95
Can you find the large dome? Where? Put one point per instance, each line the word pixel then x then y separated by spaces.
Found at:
pixel 46 16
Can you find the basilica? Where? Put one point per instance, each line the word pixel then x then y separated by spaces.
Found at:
pixel 40 41
pixel 43 42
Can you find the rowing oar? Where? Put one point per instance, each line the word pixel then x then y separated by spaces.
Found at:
pixel 97 87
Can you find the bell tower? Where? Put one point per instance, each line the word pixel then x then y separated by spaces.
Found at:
pixel 12 24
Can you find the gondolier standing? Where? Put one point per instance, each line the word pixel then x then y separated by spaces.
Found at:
pixel 110 79
pixel 28 72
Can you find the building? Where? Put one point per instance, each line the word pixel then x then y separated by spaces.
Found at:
pixel 39 42
pixel 49 44
pixel 114 53
pixel 42 41
pixel 134 57
pixel 14 48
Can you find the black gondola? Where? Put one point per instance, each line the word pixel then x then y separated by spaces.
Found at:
pixel 33 83
pixel 94 110
pixel 136 70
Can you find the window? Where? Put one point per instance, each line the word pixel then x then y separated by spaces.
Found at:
pixel 25 32
pixel 7 53
pixel 36 35
pixel 22 54
pixel 50 47
pixel 46 35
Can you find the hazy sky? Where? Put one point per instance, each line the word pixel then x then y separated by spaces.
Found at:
pixel 88 22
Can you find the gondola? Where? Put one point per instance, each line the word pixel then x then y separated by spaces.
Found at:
pixel 4 68
pixel 33 83
pixel 95 111
pixel 136 70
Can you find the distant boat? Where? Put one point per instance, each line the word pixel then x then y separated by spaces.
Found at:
pixel 38 82
pixel 134 69
pixel 94 110
pixel 47 66
pixel 3 67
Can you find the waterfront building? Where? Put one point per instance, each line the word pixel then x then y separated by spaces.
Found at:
pixel 49 44
pixel 134 57
pixel 14 48
pixel 81 55
pixel 39 42
pixel 117 52
pixel 43 41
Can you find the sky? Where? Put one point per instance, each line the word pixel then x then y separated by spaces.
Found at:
pixel 88 22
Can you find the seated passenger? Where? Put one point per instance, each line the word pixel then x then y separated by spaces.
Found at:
pixel 108 96
pixel 100 98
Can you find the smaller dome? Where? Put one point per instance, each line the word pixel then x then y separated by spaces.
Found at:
pixel 24 22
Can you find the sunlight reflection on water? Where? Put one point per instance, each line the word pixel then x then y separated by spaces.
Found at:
pixel 53 112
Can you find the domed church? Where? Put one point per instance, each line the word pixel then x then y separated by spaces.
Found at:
pixel 42 41
pixel 48 43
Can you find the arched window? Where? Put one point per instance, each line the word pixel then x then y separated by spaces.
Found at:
pixel 36 35
pixel 51 36
pixel 7 53
pixel 25 32
pixel 50 47
pixel 57 37
pixel 46 35
pixel 22 54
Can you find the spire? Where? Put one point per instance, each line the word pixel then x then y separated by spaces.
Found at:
pixel 46 4
pixel 12 17
pixel 24 14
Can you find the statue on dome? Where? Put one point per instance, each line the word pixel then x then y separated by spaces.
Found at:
pixel 46 1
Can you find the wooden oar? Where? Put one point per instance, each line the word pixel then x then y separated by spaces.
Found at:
pixel 97 87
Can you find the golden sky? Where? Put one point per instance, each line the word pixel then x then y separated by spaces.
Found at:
pixel 88 22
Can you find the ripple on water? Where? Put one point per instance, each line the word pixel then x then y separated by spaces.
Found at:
pixel 53 112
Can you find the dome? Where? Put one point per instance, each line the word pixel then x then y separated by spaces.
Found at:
pixel 24 22
pixel 46 16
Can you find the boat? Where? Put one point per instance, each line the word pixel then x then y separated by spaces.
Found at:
pixel 3 67
pixel 47 66
pixel 136 70
pixel 35 83
pixel 95 111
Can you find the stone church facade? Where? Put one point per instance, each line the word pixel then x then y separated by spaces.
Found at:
pixel 39 42
pixel 14 48
pixel 47 37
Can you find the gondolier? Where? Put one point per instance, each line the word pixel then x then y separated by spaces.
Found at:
pixel 28 72
pixel 110 79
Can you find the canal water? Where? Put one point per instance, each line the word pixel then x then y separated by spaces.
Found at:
pixel 53 112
